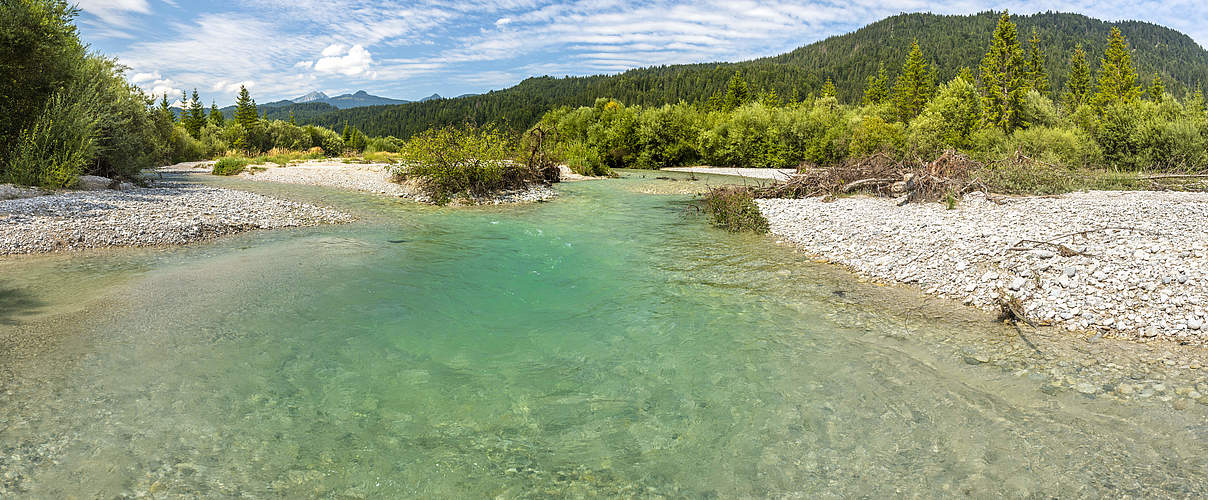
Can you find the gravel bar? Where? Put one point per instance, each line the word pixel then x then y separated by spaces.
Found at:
pixel 1130 264
pixel 178 214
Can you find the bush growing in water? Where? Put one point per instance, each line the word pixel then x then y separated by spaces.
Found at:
pixel 733 208
pixel 230 165
pixel 471 161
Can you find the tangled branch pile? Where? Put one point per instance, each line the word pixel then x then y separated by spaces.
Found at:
pixel 952 173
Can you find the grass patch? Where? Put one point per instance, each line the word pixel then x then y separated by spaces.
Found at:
pixel 733 208
pixel 230 165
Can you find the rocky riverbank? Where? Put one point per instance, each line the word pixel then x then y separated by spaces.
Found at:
pixel 1120 264
pixel 171 214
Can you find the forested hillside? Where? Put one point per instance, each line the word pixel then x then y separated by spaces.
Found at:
pixel 949 42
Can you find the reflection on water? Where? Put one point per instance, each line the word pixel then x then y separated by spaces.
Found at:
pixel 606 344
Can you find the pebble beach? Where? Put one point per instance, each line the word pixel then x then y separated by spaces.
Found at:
pixel 1116 263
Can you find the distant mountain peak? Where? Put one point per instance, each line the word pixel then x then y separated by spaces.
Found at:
pixel 432 97
pixel 312 97
pixel 361 93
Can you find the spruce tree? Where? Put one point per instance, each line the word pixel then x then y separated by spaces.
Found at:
pixel 1078 85
pixel 245 110
pixel 1004 78
pixel 914 86
pixel 216 115
pixel 1117 78
pixel 195 119
pixel 1037 75
pixel 166 108
pixel 737 92
pixel 1157 89
pixel 828 89
pixel 347 134
pixel 291 117
pixel 876 88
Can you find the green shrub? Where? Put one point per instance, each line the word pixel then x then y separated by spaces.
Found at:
pixel 734 209
pixel 1071 148
pixel 53 152
pixel 230 165
pixel 472 161
pixel 583 159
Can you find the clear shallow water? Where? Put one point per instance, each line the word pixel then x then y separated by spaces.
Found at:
pixel 605 344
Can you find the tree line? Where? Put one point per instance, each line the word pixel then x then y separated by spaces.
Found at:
pixel 1006 105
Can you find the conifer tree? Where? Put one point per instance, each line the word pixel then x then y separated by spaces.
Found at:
pixel 1078 85
pixel 828 89
pixel 876 88
pixel 166 108
pixel 1117 79
pixel 195 118
pixel 1157 89
pixel 291 117
pixel 1004 78
pixel 770 99
pixel 245 110
pixel 347 134
pixel 1037 75
pixel 737 92
pixel 216 115
pixel 914 86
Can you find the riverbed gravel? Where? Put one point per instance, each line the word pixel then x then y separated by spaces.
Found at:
pixel 172 214
pixel 1117 263
pixel 376 178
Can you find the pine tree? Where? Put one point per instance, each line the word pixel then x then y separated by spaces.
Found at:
pixel 876 89
pixel 216 115
pixel 291 117
pixel 1078 85
pixel 770 99
pixel 828 89
pixel 245 110
pixel 737 92
pixel 914 86
pixel 195 118
pixel 1117 79
pixel 166 108
pixel 1157 89
pixel 347 134
pixel 1037 75
pixel 1004 78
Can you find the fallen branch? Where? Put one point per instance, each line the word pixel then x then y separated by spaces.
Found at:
pixel 849 187
pixel 1062 250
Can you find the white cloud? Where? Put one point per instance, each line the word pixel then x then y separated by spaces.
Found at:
pixel 503 21
pixel 112 18
pixel 355 62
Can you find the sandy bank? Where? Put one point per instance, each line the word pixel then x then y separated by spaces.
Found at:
pixel 1139 270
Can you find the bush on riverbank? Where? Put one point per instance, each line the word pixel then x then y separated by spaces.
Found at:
pixel 733 208
pixel 230 165
pixel 469 161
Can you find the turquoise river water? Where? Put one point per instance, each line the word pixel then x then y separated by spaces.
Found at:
pixel 605 344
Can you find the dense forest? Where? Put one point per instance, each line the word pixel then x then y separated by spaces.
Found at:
pixel 947 42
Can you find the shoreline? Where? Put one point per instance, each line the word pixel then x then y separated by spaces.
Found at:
pixel 169 213
pixel 1139 270
pixel 372 178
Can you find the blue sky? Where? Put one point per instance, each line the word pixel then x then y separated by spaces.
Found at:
pixel 407 50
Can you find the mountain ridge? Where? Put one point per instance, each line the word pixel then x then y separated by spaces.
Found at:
pixel 950 41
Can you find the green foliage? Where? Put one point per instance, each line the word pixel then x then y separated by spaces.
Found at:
pixel 1117 80
pixel 583 159
pixel 1004 78
pixel 53 151
pixel 915 85
pixel 216 116
pixel 1038 76
pixel 468 161
pixel 828 89
pixel 246 114
pixel 950 120
pixel 1157 89
pixel 194 117
pixel 876 88
pixel 737 92
pixel 1078 84
pixel 734 209
pixel 230 165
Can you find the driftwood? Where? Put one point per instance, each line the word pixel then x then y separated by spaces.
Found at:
pixel 851 186
pixel 1012 312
